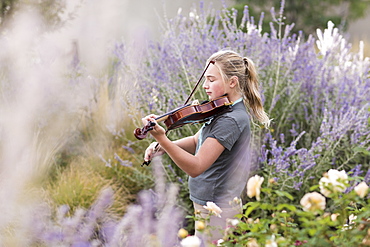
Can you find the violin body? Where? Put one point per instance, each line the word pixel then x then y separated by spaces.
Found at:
pixel 188 114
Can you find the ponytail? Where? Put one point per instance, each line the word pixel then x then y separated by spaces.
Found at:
pixel 251 92
pixel 232 64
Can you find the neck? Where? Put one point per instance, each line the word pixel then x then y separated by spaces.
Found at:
pixel 234 97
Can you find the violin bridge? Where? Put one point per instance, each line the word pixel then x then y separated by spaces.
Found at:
pixel 230 103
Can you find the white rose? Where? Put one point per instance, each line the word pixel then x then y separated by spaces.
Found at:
pixel 213 209
pixel 220 241
pixel 233 222
pixel 338 178
pixel 362 189
pixel 252 242
pixel 254 187
pixel 334 217
pixel 271 242
pixel 313 201
pixel 324 183
pixel 334 181
pixel 190 241
pixel 351 219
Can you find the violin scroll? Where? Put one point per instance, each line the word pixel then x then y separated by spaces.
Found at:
pixel 141 133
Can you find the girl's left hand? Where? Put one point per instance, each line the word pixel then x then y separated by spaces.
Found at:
pixel 157 129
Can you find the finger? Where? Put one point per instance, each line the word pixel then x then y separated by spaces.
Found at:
pixel 147 158
pixel 149 151
pixel 144 120
pixel 152 125
pixel 149 118
pixel 148 155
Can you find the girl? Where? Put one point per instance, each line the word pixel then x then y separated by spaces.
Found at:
pixel 216 158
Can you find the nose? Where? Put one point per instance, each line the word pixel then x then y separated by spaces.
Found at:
pixel 205 84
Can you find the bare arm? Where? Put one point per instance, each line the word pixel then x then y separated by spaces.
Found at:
pixel 182 151
pixel 188 144
pixel 193 165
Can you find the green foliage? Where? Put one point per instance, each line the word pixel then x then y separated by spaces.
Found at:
pixel 343 221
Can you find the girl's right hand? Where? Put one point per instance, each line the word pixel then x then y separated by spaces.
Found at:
pixel 152 151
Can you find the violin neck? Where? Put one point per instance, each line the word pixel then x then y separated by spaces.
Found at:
pixel 162 118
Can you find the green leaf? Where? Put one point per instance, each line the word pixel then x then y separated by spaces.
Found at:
pixel 361 150
pixel 312 232
pixel 250 207
pixel 284 193
pixel 239 216
pixel 266 190
pixel 286 206
pixel 314 187
pixel 266 206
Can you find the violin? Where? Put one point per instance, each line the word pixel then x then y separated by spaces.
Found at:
pixel 188 114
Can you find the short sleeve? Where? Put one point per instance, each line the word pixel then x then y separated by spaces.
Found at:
pixel 226 131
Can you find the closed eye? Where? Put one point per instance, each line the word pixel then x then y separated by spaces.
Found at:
pixel 211 78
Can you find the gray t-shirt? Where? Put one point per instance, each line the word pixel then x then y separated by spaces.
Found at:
pixel 226 178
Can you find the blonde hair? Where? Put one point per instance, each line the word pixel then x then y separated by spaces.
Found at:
pixel 231 64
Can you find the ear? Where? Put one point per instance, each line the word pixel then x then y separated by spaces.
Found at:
pixel 233 81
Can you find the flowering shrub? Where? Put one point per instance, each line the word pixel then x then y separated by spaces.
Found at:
pixel 315 90
pixel 317 95
pixel 337 219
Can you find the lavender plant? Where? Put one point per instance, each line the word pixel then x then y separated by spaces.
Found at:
pixel 153 221
pixel 315 89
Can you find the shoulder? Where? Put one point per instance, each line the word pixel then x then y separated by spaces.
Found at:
pixel 238 116
pixel 227 128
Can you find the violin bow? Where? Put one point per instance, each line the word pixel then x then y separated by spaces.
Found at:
pixel 200 79
pixel 146 163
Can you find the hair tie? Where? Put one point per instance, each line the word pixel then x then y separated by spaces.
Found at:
pixel 245 61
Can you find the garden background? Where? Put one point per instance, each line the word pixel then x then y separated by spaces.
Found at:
pixel 73 89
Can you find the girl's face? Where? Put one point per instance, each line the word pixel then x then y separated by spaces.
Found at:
pixel 214 83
